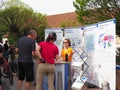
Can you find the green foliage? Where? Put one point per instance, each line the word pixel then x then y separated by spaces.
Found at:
pixel 68 24
pixel 13 39
pixel 18 18
pixel 93 11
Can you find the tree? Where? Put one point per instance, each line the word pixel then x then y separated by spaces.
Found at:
pixel 68 24
pixel 1 3
pixel 93 11
pixel 19 19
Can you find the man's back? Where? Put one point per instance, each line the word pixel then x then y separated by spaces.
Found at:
pixel 26 50
pixel 25 47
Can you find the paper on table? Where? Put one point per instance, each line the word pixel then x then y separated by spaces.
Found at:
pixel 77 64
pixel 78 84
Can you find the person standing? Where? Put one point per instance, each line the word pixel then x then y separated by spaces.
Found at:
pixel 48 53
pixel 12 53
pixel 26 51
pixel 1 60
pixel 66 55
pixel 1 53
pixel 67 51
pixel 6 47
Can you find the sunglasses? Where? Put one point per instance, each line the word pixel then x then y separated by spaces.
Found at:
pixel 65 42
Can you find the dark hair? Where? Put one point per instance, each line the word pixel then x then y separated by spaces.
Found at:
pixel 68 40
pixel 6 41
pixel 51 37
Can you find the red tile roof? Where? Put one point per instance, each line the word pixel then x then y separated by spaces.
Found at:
pixel 55 21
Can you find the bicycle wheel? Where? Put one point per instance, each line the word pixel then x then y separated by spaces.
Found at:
pixel 9 74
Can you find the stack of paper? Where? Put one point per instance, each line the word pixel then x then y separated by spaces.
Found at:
pixel 77 64
pixel 79 82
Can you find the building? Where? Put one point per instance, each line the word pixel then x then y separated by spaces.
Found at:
pixel 63 20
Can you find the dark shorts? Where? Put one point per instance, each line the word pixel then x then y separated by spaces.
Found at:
pixel 26 71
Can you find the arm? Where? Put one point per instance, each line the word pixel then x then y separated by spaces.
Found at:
pixel 34 46
pixel 16 50
pixel 57 57
pixel 60 57
pixel 70 52
pixel 33 53
pixel 38 52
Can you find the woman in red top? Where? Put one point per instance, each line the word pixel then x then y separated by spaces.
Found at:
pixel 48 53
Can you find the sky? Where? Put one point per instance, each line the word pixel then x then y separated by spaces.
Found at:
pixel 51 7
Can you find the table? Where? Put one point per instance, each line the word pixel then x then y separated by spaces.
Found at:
pixel 61 75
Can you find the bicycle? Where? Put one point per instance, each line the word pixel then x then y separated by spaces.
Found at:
pixel 6 71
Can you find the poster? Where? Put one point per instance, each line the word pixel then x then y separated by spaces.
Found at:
pixel 97 42
pixel 59 34
pixel 76 36
pixel 106 51
pixel 100 46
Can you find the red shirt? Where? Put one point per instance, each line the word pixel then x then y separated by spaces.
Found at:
pixel 48 51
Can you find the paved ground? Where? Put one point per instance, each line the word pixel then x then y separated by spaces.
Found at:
pixel 7 86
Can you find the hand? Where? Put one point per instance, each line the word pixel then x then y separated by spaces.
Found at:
pixel 58 61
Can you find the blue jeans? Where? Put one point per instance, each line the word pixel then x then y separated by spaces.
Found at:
pixel 45 83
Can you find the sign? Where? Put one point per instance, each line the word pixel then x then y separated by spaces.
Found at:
pixel 98 41
pixel 59 34
pixel 100 46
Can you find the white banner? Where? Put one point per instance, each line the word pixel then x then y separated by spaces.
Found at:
pixel 59 34
pixel 98 40
pixel 75 35
pixel 100 45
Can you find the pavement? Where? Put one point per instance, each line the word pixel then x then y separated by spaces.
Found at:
pixel 6 85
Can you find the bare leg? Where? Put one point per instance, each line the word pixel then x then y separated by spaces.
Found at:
pixel 0 83
pixel 27 86
pixel 19 85
pixel 1 87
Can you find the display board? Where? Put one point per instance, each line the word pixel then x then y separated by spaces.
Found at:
pixel 98 41
pixel 100 46
pixel 59 34
pixel 75 35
